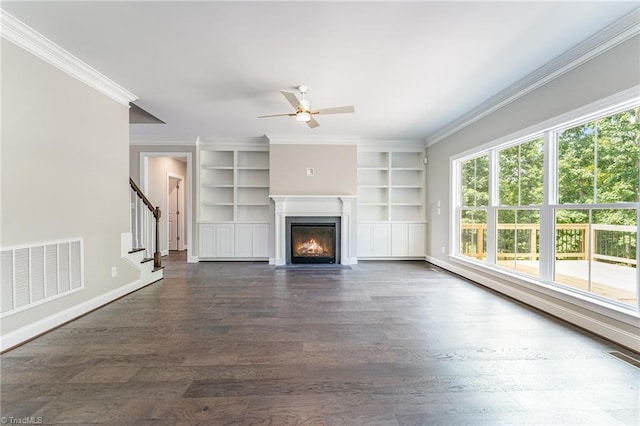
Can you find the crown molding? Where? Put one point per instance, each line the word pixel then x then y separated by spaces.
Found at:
pixel 602 41
pixel 230 140
pixel 288 139
pixel 234 143
pixel 27 38
pixel 151 141
pixel 396 144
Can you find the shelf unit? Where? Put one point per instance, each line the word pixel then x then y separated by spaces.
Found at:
pixel 391 186
pixel 373 186
pixel 391 198
pixel 234 205
pixel 234 185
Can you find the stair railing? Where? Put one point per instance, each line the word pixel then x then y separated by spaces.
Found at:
pixel 144 218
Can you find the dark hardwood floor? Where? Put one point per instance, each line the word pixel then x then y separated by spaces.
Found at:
pixel 387 343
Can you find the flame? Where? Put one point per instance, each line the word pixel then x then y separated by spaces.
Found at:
pixel 310 247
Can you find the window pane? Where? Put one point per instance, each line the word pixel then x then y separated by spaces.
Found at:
pixel 473 241
pixel 475 182
pixel 572 258
pixel 521 174
pixel 576 149
pixel 509 178
pixel 613 259
pixel 518 240
pixel 531 172
pixel 596 252
pixel 618 158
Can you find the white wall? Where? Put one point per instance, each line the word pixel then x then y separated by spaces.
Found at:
pixel 611 72
pixel 64 174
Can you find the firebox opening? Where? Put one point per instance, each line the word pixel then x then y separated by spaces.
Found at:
pixel 313 240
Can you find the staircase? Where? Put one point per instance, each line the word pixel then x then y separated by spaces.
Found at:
pixel 141 246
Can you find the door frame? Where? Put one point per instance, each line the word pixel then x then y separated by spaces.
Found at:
pixel 180 246
pixel 188 181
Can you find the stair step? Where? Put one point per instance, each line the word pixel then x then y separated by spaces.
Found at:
pixel 135 250
pixel 157 269
pixel 146 259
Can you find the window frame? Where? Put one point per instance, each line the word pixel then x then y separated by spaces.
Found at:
pixel 548 131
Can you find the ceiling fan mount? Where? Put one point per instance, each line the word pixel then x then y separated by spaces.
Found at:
pixel 303 111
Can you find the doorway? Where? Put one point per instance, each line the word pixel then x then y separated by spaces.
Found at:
pixel 150 182
pixel 175 212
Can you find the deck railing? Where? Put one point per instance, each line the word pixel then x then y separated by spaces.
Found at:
pixel 606 243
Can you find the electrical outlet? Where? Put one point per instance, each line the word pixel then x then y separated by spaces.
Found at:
pixel 444 250
pixel 438 211
pixel 310 171
pixel 114 271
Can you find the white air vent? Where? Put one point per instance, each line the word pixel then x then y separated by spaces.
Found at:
pixel 34 274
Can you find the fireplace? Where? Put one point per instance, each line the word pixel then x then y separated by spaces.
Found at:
pixel 313 209
pixel 313 240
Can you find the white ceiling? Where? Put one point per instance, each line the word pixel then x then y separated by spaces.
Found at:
pixel 209 68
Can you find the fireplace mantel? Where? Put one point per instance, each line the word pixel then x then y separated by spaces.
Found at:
pixel 314 205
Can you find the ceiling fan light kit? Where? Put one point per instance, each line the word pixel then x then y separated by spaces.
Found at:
pixel 304 113
pixel 303 116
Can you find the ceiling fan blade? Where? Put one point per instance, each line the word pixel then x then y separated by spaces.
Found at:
pixel 313 123
pixel 334 110
pixel 293 100
pixel 278 115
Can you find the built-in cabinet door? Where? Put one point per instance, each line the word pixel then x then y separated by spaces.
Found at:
pixel 207 240
pixel 244 240
pixel 391 240
pixel 399 239
pixel 417 239
pixel 381 240
pixel 365 241
pixel 408 239
pixel 260 240
pixel 374 240
pixel 252 240
pixel 224 240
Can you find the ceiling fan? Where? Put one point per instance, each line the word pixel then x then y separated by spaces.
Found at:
pixel 304 112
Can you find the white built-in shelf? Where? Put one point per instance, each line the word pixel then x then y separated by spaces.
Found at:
pixel 234 185
pixel 391 186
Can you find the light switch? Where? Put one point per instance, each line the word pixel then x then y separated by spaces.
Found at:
pixel 310 171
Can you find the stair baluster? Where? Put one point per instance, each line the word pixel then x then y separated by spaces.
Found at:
pixel 145 216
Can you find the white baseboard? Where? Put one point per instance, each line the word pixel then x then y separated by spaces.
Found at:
pixel 612 330
pixel 30 331
pixel 193 259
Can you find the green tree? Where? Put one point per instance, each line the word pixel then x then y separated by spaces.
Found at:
pixel 600 162
pixel 475 182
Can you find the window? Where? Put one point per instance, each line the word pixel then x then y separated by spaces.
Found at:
pixel 473 214
pixel 570 220
pixel 598 175
pixel 520 184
